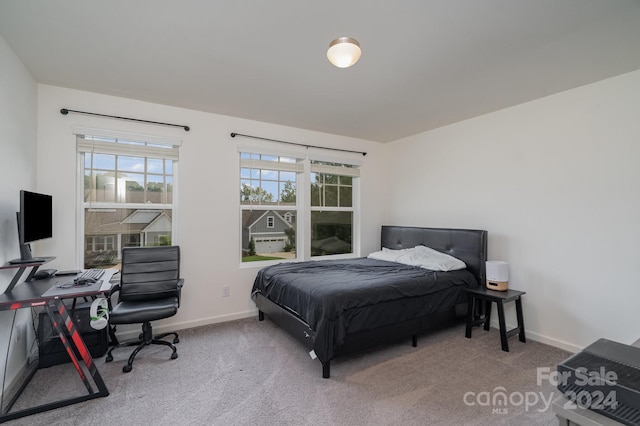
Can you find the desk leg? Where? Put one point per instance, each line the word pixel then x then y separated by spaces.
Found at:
pixel 63 337
pixel 82 349
pixel 76 342
pixel 470 315
pixel 487 315
pixel 503 327
pixel 521 335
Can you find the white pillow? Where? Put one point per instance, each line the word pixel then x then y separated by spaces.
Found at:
pixel 431 259
pixel 388 254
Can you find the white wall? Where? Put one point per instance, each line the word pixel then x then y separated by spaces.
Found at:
pixel 556 183
pixel 208 214
pixel 18 108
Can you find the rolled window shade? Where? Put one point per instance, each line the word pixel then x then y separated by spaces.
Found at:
pixel 169 152
pixel 335 170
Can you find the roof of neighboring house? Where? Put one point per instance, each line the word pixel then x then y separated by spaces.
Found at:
pixel 250 217
pixel 120 221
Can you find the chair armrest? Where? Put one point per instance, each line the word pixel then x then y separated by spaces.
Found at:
pixel 114 289
pixel 179 284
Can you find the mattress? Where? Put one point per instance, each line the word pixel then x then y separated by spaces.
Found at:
pixel 340 297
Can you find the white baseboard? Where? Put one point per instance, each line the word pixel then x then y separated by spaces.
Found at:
pixel 177 326
pixel 561 344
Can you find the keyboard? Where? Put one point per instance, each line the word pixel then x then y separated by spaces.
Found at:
pixel 94 274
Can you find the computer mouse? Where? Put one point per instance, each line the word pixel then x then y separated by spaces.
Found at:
pixel 44 273
pixel 78 282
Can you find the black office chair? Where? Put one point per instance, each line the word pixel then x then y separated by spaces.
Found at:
pixel 149 290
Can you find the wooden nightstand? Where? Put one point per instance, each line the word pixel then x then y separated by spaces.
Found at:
pixel 500 297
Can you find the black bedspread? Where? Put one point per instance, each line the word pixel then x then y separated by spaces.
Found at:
pixel 339 297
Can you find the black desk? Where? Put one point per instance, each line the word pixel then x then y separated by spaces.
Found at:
pixel 28 295
pixel 500 297
pixel 21 267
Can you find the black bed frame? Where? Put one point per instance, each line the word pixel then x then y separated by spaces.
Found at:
pixel 468 245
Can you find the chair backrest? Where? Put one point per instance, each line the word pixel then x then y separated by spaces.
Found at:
pixel 149 273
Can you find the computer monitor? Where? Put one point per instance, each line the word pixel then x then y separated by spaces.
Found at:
pixel 35 222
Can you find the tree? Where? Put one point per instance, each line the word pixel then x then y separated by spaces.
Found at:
pixel 254 195
pixel 252 247
pixel 291 237
pixel 155 186
pixel 288 194
pixel 132 185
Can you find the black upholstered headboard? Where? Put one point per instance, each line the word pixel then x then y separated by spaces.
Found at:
pixel 468 245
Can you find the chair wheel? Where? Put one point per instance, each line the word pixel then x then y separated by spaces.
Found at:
pixel 176 340
pixel 127 368
pixel 109 358
pixel 174 355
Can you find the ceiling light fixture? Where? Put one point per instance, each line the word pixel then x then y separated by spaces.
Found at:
pixel 344 52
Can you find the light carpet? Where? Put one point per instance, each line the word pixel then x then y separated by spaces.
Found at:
pixel 248 372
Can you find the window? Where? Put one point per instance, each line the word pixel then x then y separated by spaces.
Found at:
pixel 268 196
pixel 296 207
pixel 331 208
pixel 127 196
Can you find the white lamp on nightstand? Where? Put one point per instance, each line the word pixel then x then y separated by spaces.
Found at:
pixel 497 275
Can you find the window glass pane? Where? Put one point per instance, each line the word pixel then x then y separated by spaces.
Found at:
pixel 169 190
pixel 130 187
pixel 268 174
pixel 346 180
pixel 331 233
pixel 288 176
pixel 330 196
pixel 346 196
pixel 88 185
pixel 168 164
pixel 132 164
pixel 288 192
pixel 105 187
pixel 155 189
pixel 155 165
pixel 330 178
pixel 268 234
pixel 316 194
pixel 270 191
pixel 329 190
pixel 266 186
pixel 108 230
pixel 103 161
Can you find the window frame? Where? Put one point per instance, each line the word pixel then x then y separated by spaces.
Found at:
pixel 155 148
pixel 303 202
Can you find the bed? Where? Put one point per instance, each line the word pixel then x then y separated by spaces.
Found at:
pixel 337 307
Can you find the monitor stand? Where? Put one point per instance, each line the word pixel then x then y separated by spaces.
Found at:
pixel 27 261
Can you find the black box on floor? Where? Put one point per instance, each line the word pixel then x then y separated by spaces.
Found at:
pixel 51 349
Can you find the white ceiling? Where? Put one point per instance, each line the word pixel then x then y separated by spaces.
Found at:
pixel 424 64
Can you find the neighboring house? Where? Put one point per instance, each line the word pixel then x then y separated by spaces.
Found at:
pixel 267 228
pixel 108 231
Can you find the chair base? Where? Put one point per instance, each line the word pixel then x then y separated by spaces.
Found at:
pixel 144 339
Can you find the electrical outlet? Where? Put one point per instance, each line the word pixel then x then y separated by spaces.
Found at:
pixel 226 291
